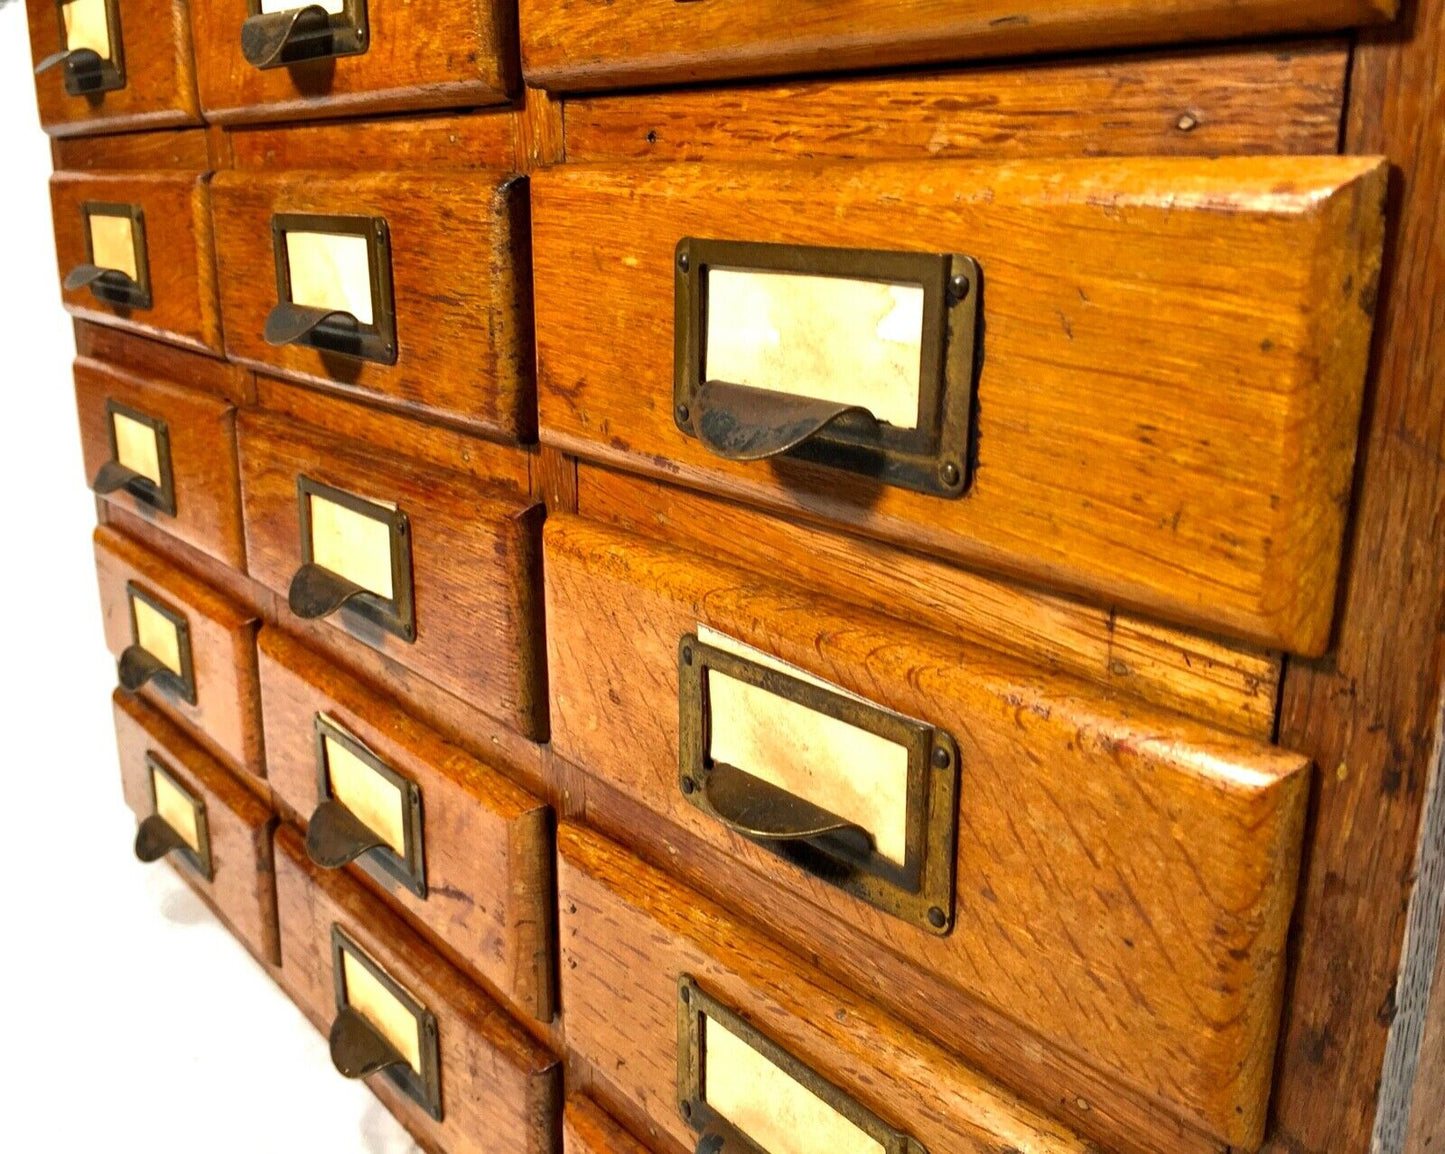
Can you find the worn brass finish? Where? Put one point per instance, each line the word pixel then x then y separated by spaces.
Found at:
pixel 920 891
pixel 113 476
pixel 749 424
pixel 137 666
pixel 716 1134
pixel 309 32
pixel 87 73
pixel 110 285
pixel 155 838
pixel 358 1049
pixel 335 331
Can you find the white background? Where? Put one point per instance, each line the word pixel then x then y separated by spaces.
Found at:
pixel 131 1019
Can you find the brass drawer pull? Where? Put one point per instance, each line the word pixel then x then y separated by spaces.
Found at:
pixel 107 283
pixel 137 666
pixel 177 823
pixel 84 69
pixel 316 592
pixel 155 838
pixel 358 1048
pixel 761 811
pixel 93 58
pixel 160 648
pixel 296 35
pixel 140 459
pixel 117 267
pixel 289 324
pixel 335 836
pixel 747 424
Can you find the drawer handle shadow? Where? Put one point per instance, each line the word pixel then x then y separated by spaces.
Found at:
pixel 155 838
pixel 742 423
pixel 358 1048
pixel 334 330
pixel 336 837
pixel 137 667
pixel 318 592
pixel 759 810
pixel 84 69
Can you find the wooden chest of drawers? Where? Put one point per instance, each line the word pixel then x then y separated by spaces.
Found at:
pixel 734 577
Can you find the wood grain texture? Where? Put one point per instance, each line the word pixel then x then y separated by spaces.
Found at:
pixel 1152 943
pixel 628 933
pixel 476 558
pixel 201 430
pixel 160 72
pixel 427 54
pixel 487 843
pixel 242 891
pixel 588 44
pixel 1216 681
pixel 1368 713
pixel 185 148
pixel 461 293
pixel 1426 1132
pixel 156 360
pixel 500 1090
pixel 540 133
pixel 454 142
pixel 587 1129
pixel 178 243
pixel 1109 464
pixel 1275 100
pixel 557 479
pixel 226 717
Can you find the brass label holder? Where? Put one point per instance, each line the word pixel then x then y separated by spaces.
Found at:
pixel 114 286
pixel 138 666
pixel 155 837
pixel 114 476
pixel 85 71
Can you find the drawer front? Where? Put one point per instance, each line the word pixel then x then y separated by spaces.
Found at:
pixel 164 452
pixel 588 1129
pixel 403 289
pixel 461 1075
pixel 214 830
pixel 588 44
pixel 134 251
pixel 459 847
pixel 184 647
pixel 1161 406
pixel 635 942
pixel 257 61
pixel 439 572
pixel 738 710
pixel 112 65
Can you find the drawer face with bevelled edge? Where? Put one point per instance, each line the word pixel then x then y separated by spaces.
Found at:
pixel 434 569
pixel 459 847
pixel 730 704
pixel 104 66
pixel 183 646
pixel 458 1072
pixel 792 1050
pixel 1161 406
pixel 271 60
pixel 164 452
pixel 403 289
pixel 134 250
pixel 215 830
pixel 588 1129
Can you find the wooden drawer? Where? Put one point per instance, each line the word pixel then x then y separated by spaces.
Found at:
pixel 1162 406
pixel 633 941
pixel 427 54
pixel 1122 879
pixel 588 1129
pixel 135 70
pixel 161 448
pixel 430 330
pixel 152 232
pixel 463 851
pixel 442 569
pixel 214 830
pixel 589 44
pixel 469 1080
pixel 186 647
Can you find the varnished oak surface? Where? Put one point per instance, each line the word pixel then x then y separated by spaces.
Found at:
pixel 1125 876
pixel 1277 99
pixel 413 143
pixel 1217 681
pixel 226 717
pixel 500 1090
pixel 160 72
pixel 1109 463
pixel 184 148
pixel 585 44
pixel 424 54
pixel 243 889
pixel 587 1129
pixel 628 932
pixel 156 360
pixel 488 844
pixel 461 289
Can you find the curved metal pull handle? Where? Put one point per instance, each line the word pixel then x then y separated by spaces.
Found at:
pixel 83 67
pixel 288 323
pixel 336 836
pixel 114 476
pixel 357 1047
pixel 267 36
pixel 138 666
pixel 92 275
pixel 761 811
pixel 317 592
pixel 154 839
pixel 742 423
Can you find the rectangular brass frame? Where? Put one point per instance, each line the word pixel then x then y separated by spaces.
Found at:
pixel 350 31
pixel 160 497
pixel 138 297
pixel 184 685
pixel 112 70
pixel 920 892
pixel 373 342
pixel 398 614
pixel 425 1089
pixel 693 1005
pixel 408 869
pixel 198 860
pixel 936 456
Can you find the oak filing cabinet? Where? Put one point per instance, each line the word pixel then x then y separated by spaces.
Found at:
pixel 741 577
